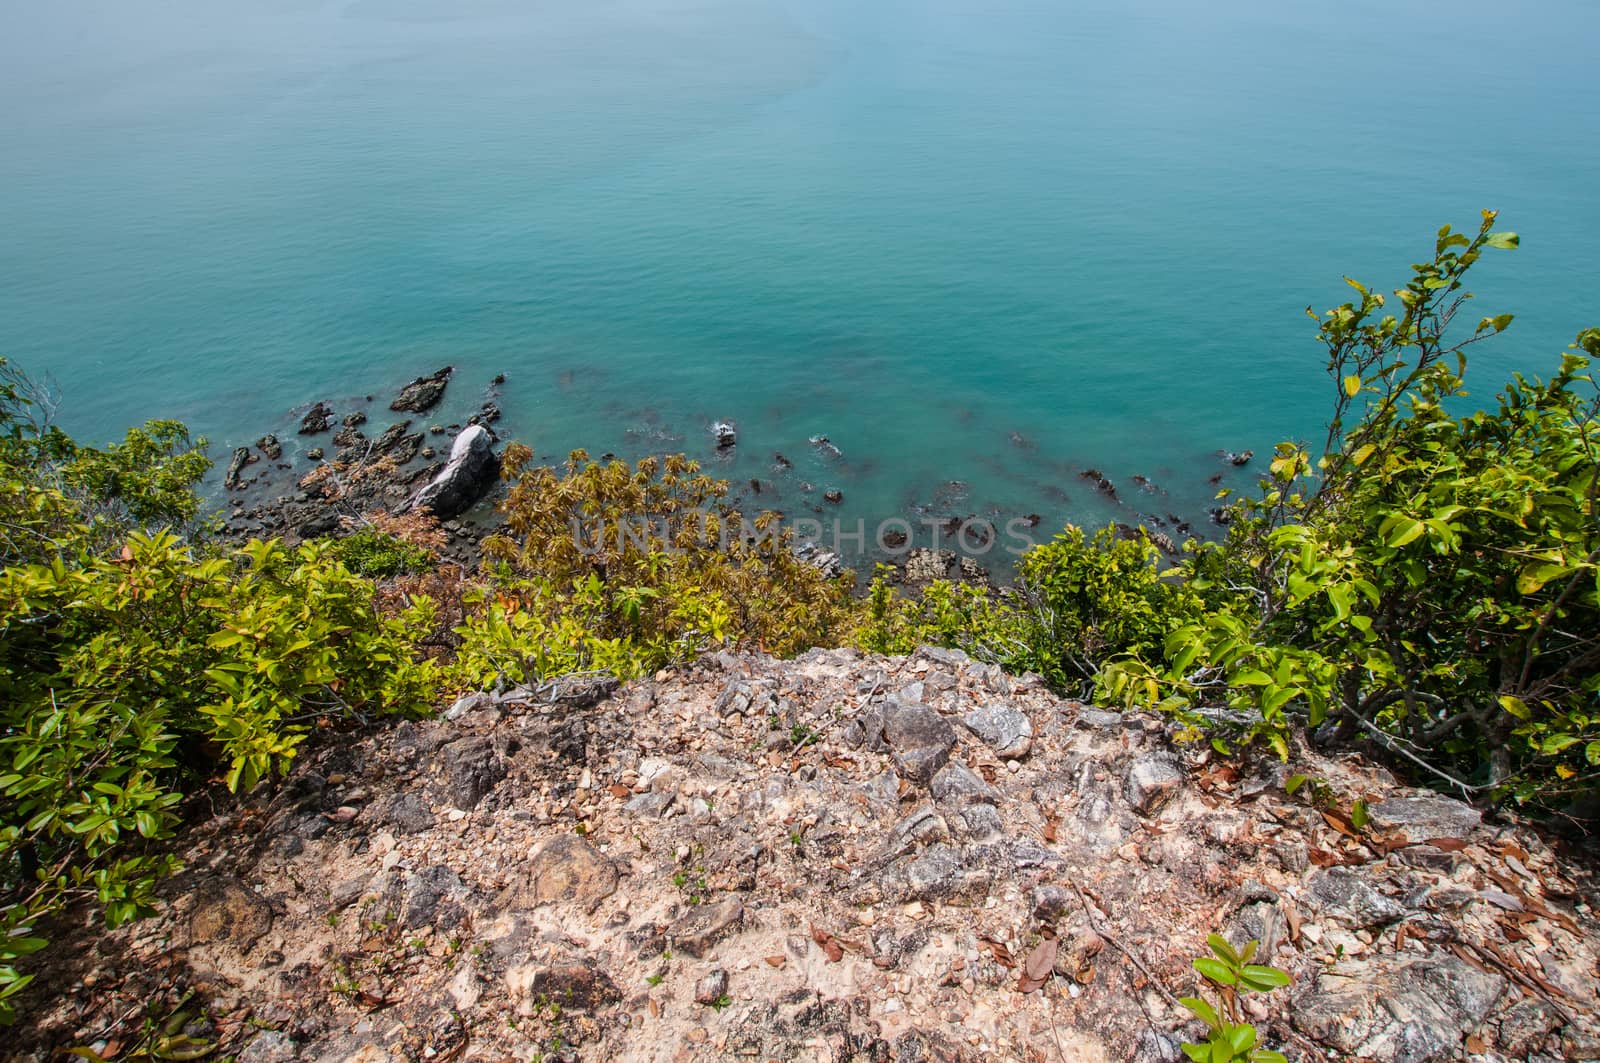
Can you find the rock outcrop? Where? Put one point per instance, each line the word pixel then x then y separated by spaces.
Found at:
pixel 423 393
pixel 467 476
pixel 840 857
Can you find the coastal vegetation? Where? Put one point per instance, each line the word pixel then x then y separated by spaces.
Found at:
pixel 1426 583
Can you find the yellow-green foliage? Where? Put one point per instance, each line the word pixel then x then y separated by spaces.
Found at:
pixel 627 568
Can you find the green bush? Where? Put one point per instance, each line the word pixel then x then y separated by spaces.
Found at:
pixel 378 555
pixel 134 665
pixel 1430 581
pixel 1078 602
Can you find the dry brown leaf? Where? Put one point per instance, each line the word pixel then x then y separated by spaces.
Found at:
pixel 1042 960
pixel 620 792
pixel 1049 833
pixel 1292 916
pixel 1446 845
pixel 774 961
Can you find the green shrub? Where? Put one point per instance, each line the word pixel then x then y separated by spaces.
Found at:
pixel 378 555
pixel 1430 581
pixel 1229 1039
pixel 1077 603
pixel 133 665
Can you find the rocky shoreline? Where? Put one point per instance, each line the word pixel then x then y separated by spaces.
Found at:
pixel 344 470
pixel 839 857
pixel 449 470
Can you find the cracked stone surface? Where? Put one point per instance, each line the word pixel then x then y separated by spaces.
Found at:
pixel 656 872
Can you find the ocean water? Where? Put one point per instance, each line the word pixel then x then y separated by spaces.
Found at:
pixel 980 246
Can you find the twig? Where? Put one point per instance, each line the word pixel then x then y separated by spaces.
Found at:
pixel 1109 936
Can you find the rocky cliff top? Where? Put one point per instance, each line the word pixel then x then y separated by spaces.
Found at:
pixel 841 857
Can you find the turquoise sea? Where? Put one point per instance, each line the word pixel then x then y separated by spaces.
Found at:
pixel 990 243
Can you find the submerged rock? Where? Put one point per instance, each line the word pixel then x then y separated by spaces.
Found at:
pixel 317 419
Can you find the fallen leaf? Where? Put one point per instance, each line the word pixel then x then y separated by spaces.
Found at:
pixel 1446 845
pixel 620 792
pixel 774 961
pixel 1042 960
pixel 1049 833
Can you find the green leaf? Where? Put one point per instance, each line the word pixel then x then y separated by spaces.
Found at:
pixel 1263 976
pixel 1405 530
pixel 1223 948
pixel 1515 706
pixel 1216 970
pixel 1503 240
pixel 1242 1038
pixel 1203 1010
pixel 1352 385
pixel 1294 783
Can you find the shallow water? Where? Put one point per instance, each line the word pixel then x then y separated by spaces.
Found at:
pixel 989 243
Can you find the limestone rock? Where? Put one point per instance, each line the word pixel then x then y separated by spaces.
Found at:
pixel 919 740
pixel 566 869
pixel 699 929
pixel 471 768
pixel 1417 1011
pixel 1346 895
pixel 1152 779
pixel 1425 816
pixel 1004 728
pixel 956 784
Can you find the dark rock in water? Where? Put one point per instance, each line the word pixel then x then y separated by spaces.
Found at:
pixel 467 476
pixel 353 419
pixel 1163 542
pixel 429 453
pixel 1098 478
pixel 423 393
pixel 317 419
pixel 1021 441
pixel 406 448
pixel 893 537
pixel 1033 520
pixel 499 378
pixel 436 429
pixel 269 445
pixel 1145 482
pixel 755 485
pixel 241 457
pixel 348 436
pixel 725 434
pixel 781 462
pixel 1221 516
pixel 391 435
pixel 489 412
pixel 825 445
pixel 833 495
pixel 1242 458
pixel 315 453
